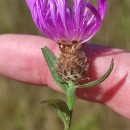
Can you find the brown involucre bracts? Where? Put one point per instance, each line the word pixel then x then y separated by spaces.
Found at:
pixel 72 62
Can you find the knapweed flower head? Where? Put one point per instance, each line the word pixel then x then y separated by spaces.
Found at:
pixel 67 20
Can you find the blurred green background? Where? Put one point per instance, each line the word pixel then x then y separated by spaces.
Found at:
pixel 19 103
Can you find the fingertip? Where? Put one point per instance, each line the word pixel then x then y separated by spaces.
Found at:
pixel 22 59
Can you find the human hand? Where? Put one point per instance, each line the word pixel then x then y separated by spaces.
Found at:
pixel 21 59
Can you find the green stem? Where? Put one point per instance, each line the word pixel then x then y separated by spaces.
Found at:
pixel 70 100
pixel 66 128
pixel 70 95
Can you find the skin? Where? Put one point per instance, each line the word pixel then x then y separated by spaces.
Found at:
pixel 21 59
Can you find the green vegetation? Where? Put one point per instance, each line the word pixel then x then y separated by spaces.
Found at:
pixel 20 107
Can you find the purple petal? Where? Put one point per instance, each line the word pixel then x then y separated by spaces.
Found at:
pixel 102 7
pixel 57 20
pixel 30 3
pixel 93 24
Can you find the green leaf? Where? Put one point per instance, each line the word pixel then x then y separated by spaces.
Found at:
pixel 98 81
pixel 51 61
pixel 61 110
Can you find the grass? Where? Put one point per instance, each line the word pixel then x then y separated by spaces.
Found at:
pixel 19 103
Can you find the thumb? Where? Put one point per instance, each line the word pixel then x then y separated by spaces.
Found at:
pixel 114 91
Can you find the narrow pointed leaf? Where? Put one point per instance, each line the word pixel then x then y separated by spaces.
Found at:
pixel 61 110
pixel 51 61
pixel 98 81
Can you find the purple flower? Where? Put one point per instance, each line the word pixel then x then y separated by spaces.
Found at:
pixel 61 21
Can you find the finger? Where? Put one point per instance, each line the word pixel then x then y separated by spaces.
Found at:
pixel 21 59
